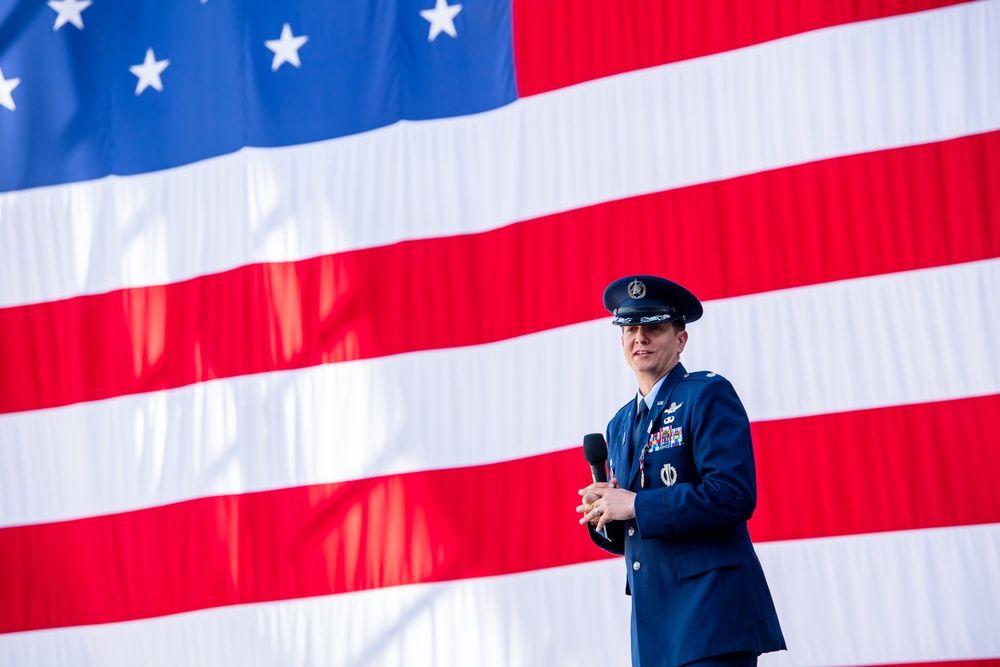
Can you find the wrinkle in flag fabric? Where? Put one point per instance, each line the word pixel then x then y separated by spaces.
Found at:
pixel 287 290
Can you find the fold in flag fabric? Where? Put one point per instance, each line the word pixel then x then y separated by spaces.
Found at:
pixel 301 330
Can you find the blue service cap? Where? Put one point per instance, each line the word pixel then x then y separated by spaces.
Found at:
pixel 638 300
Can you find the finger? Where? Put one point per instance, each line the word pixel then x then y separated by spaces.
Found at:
pixel 593 493
pixel 592 488
pixel 595 516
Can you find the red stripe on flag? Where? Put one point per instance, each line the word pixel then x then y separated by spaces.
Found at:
pixel 897 468
pixel 840 218
pixel 863 472
pixel 292 543
pixel 555 45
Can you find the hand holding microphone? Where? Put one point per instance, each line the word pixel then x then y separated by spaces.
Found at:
pixel 616 504
pixel 595 452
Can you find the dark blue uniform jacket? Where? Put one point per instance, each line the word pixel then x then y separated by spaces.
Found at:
pixel 697 587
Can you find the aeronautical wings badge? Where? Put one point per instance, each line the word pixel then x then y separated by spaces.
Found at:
pixel 674 407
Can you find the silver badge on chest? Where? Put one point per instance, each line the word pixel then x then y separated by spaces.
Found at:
pixel 668 474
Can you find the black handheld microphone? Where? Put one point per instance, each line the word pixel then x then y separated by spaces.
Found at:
pixel 595 450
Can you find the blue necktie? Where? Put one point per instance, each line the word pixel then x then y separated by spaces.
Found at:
pixel 639 430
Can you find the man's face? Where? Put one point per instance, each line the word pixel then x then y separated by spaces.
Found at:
pixel 651 350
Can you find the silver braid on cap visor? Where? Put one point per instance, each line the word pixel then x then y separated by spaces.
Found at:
pixel 650 319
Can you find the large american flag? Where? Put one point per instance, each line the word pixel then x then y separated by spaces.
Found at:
pixel 301 329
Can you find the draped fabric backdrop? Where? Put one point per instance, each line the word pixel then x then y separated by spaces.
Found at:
pixel 301 323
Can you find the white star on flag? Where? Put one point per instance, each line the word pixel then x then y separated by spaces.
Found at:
pixel 442 19
pixel 69 12
pixel 6 87
pixel 286 49
pixel 149 72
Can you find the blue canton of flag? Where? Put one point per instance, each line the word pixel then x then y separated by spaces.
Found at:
pixel 98 88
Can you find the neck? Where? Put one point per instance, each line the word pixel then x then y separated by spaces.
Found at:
pixel 647 381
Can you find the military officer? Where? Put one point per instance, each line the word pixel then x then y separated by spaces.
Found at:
pixel 682 488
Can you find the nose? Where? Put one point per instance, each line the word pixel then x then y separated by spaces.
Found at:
pixel 642 335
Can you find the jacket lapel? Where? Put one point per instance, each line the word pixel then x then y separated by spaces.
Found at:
pixel 659 404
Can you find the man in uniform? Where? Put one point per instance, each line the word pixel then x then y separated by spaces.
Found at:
pixel 682 488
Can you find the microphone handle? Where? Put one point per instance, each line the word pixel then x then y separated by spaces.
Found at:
pixel 600 474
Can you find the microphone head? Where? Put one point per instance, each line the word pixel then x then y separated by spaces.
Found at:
pixel 595 450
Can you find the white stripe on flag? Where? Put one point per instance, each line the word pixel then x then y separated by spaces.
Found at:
pixel 524 619
pixel 887 598
pixel 836 347
pixel 841 601
pixel 906 80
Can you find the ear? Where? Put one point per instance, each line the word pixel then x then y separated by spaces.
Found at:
pixel 682 339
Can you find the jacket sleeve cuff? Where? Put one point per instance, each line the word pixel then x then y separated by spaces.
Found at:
pixel 652 514
pixel 615 531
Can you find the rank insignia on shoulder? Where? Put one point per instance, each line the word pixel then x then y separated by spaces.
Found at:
pixel 711 375
pixel 674 407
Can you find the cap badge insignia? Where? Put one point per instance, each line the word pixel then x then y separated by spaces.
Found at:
pixel 674 407
pixel 668 474
pixel 637 289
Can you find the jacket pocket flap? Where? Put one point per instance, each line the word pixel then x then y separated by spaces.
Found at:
pixel 702 560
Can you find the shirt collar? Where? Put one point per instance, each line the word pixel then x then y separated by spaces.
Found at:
pixel 651 395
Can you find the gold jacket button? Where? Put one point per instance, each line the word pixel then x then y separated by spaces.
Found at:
pixel 636 565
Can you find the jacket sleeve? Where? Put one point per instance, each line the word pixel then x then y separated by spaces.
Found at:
pixel 614 542
pixel 723 453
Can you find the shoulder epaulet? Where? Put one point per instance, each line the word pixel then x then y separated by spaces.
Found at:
pixel 700 375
